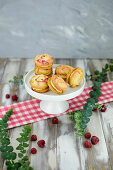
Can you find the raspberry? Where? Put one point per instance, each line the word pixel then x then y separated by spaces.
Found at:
pixel 94 110
pixel 87 144
pixel 94 140
pixel 103 108
pixel 55 120
pixel 14 97
pixel 33 150
pixel 41 143
pixel 87 135
pixel 7 96
pixel 33 138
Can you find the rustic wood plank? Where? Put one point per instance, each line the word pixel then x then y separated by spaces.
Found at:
pixel 68 148
pixel 47 131
pixel 107 124
pixel 98 157
pixel 24 66
pixel 63 150
pixel 2 68
pixel 11 69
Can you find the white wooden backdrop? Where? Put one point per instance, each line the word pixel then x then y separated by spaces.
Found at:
pixel 63 151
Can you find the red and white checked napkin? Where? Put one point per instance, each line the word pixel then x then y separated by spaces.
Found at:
pixel 29 111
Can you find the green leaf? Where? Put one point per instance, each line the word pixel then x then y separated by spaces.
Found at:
pixel 4 155
pixel 20 155
pixel 25 158
pixel 21 82
pixel 23 151
pixel 91 100
pixel 26 139
pixel 13 155
pixel 17 165
pixel 20 147
pixel 25 145
pixel 9 148
pixel 111 60
pixel 111 67
pixel 96 72
pixel 83 126
pixel 85 120
pixel 21 77
pixel 20 140
pixel 21 168
pixel 72 118
pixel 5 141
pixel 96 100
pixel 3 148
pixel 5 118
pixel 5 125
pixel 30 168
pixel 15 77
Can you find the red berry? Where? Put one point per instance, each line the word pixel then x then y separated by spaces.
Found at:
pixel 103 108
pixel 87 135
pixel 55 120
pixel 7 96
pixel 94 110
pixel 14 97
pixel 33 138
pixel 94 140
pixel 41 143
pixel 33 150
pixel 87 144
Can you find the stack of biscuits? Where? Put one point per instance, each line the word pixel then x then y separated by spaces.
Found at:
pixel 44 79
pixel 43 65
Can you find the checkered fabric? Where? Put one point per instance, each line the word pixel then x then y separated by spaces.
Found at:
pixel 29 111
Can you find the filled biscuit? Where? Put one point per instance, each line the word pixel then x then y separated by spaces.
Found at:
pixel 45 71
pixel 63 70
pixel 74 77
pixel 57 84
pixel 39 83
pixel 44 60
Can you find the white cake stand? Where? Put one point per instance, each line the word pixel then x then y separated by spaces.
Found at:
pixel 51 102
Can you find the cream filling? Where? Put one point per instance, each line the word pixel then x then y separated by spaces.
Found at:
pixel 39 89
pixel 55 87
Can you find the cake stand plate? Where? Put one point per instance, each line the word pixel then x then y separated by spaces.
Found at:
pixel 51 102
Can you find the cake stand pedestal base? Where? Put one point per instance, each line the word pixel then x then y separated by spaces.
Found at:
pixel 54 107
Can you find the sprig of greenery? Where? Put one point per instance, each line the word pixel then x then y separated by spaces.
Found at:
pixel 22 147
pixel 7 150
pixel 17 80
pixel 82 117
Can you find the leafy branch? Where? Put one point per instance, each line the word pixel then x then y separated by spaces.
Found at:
pixel 17 80
pixel 82 117
pixel 7 150
pixel 22 147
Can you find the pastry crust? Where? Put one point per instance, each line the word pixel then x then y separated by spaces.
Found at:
pixel 57 84
pixel 39 83
pixel 40 91
pixel 63 70
pixel 44 71
pixel 75 77
pixel 52 88
pixel 44 61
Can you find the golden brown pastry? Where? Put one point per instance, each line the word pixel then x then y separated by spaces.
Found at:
pixel 63 70
pixel 39 83
pixel 43 64
pixel 44 71
pixel 44 61
pixel 57 84
pixel 74 77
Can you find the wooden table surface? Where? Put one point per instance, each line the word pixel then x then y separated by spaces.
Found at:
pixel 63 151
